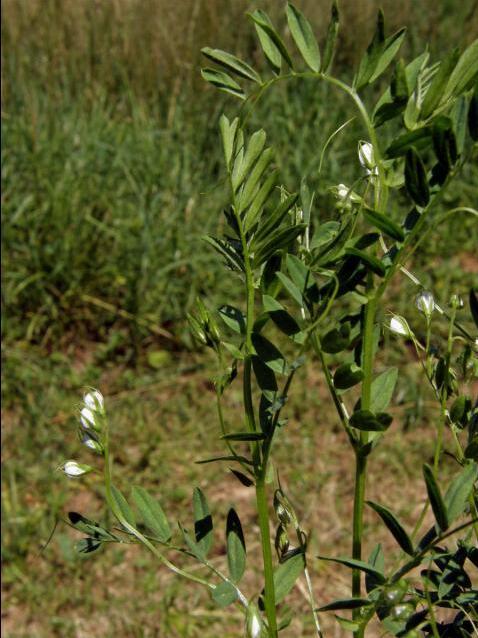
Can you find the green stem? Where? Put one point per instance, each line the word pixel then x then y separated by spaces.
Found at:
pixel 269 592
pixel 357 532
pixel 260 465
pixel 131 529
pixel 368 353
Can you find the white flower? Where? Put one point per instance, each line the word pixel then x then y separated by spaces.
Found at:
pixel 425 303
pixel 88 419
pixel 399 326
pixel 94 400
pixel 92 443
pixel 72 469
pixel 367 157
pixel 344 193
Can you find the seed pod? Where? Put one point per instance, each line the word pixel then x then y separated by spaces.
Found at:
pixel 281 542
pixel 284 510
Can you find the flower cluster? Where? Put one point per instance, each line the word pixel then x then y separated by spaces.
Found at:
pixel 92 424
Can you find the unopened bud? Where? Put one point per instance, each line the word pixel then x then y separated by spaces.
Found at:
pixel 254 623
pixel 425 303
pixel 456 302
pixel 94 400
pixel 92 443
pixel 346 195
pixel 399 326
pixel 72 469
pixel 367 157
pixel 90 420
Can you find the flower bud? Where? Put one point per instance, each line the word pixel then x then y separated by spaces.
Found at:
pixel 346 195
pixel 456 302
pixel 94 401
pixel 72 469
pixel 367 157
pixel 89 420
pixel 425 303
pixel 254 624
pixel 92 443
pixel 399 326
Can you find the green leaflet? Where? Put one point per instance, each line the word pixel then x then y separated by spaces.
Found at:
pixel 123 507
pixel 384 224
pixel 303 36
pixel 459 491
pixel 203 527
pixel 346 603
pixel 286 574
pixel 358 564
pixel 236 546
pixel 279 315
pixel 464 73
pixel 223 81
pixel 331 38
pixel 228 135
pixel 291 288
pixel 420 138
pixel 231 63
pixel 347 375
pixel 271 43
pixel 434 94
pixel 274 219
pixel 234 318
pixel 394 526
pixel 152 513
pixel 436 499
pixel 371 262
pixel 259 200
pixel 244 162
pixel 87 526
pixel 224 594
pixel 379 54
pixel 251 190
pixel 269 354
pixel 279 239
pixel 382 390
pixel 416 178
pixel 369 421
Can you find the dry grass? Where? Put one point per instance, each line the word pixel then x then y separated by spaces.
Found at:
pixel 160 431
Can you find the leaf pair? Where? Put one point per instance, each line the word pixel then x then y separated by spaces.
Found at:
pixel 379 54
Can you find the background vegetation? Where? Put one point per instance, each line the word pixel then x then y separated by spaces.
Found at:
pixel 111 173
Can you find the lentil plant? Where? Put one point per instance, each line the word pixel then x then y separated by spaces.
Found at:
pixel 313 287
